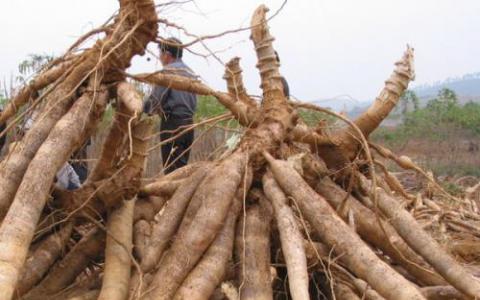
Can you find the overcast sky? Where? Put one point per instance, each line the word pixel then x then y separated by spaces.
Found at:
pixel 327 47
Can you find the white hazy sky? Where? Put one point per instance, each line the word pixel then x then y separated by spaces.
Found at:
pixel 328 47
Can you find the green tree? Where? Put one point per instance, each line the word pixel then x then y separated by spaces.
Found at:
pixel 3 100
pixel 448 97
pixel 32 64
pixel 409 98
pixel 446 100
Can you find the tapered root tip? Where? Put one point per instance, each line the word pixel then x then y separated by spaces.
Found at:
pixel 258 22
pixel 406 65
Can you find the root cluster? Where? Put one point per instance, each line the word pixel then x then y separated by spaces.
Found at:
pixel 291 212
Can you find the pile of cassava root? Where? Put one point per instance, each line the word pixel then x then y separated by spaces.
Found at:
pixel 291 212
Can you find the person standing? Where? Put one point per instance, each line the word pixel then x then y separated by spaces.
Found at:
pixel 175 108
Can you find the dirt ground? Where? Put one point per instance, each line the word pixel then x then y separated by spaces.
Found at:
pixel 455 156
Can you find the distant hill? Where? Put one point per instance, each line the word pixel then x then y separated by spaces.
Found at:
pixel 338 103
pixel 466 87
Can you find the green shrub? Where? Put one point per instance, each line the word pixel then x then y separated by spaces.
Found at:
pixel 311 117
pixel 437 121
pixel 208 107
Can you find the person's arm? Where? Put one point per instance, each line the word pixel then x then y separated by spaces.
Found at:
pixel 73 179
pixel 156 100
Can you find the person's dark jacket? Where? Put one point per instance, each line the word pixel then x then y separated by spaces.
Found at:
pixel 4 137
pixel 286 89
pixel 171 103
